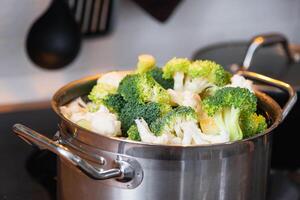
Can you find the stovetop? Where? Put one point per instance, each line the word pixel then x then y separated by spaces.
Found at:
pixel 23 174
pixel 29 173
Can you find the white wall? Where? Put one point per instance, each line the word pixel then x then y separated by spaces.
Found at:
pixel 194 24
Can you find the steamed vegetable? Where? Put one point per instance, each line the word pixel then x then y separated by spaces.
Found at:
pixel 114 102
pixel 203 74
pixel 142 88
pixel 252 123
pixel 181 122
pixel 100 91
pixel 195 76
pixel 157 74
pixel 226 106
pixel 145 63
pixel 176 68
pixel 104 94
pixel 184 103
pixel 134 110
pixel 133 133
pixel 147 136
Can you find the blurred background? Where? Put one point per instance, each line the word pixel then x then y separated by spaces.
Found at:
pixel 110 40
pixel 192 25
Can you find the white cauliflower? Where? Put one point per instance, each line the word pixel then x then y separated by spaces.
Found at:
pixel 112 78
pixel 197 85
pixel 75 106
pixel 240 81
pixel 185 134
pixel 102 121
pixel 105 123
pixel 147 136
pixel 185 98
pixel 215 138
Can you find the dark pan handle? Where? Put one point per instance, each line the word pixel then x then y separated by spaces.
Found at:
pixel 276 83
pixel 266 40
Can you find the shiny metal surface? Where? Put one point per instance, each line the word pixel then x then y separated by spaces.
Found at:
pixel 229 171
pixel 266 40
pixel 123 170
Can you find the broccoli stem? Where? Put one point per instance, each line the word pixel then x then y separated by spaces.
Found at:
pixel 231 116
pixel 178 81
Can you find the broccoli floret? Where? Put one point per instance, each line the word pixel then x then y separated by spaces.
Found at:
pixel 164 108
pixel 145 63
pixel 100 91
pixel 134 110
pixel 226 106
pixel 166 123
pixel 252 124
pixel 196 76
pixel 114 102
pixel 142 88
pixel 180 122
pixel 105 94
pixel 176 68
pixel 203 74
pixel 133 133
pixel 157 74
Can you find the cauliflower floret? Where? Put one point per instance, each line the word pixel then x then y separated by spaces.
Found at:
pixel 105 123
pixel 216 138
pixel 185 98
pixel 240 81
pixel 191 135
pixel 196 85
pixel 147 136
pixel 102 121
pixel 112 78
pixel 75 106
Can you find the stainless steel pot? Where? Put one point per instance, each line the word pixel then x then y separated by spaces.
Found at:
pixel 272 55
pixel 93 166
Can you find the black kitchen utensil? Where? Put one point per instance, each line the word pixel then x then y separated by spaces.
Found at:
pixel 279 61
pixel 93 16
pixel 159 9
pixel 54 39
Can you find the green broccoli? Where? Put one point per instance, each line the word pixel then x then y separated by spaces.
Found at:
pixel 226 106
pixel 114 102
pixel 145 63
pixel 100 91
pixel 142 88
pixel 166 124
pixel 196 76
pixel 180 122
pixel 157 74
pixel 134 110
pixel 105 94
pixel 176 68
pixel 203 74
pixel 252 124
pixel 133 133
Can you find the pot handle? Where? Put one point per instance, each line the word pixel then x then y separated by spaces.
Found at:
pixel 263 41
pixel 276 83
pixel 124 170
